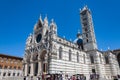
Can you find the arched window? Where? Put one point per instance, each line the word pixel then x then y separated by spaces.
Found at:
pixel 4 74
pixel 84 58
pixel 60 53
pixel 5 67
pixel 14 67
pixel 70 53
pixel 13 74
pixel 19 68
pixel 10 67
pixel 100 58
pixel 77 57
pixel 92 59
pixel 18 74
pixel 8 74
pixel 106 60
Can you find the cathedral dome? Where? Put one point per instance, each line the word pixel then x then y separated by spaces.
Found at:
pixel 79 41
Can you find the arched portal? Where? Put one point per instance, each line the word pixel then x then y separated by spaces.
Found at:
pixel 118 58
pixel 44 62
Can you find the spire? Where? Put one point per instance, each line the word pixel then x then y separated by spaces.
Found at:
pixel 35 26
pixel 46 17
pixel 46 20
pixel 52 20
pixel 84 9
pixel 40 18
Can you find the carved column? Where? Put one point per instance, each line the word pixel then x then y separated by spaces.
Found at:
pixel 39 67
pixel 26 69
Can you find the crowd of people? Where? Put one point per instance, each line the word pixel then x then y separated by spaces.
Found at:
pixel 66 77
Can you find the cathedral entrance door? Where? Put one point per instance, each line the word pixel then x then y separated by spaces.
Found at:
pixel 43 62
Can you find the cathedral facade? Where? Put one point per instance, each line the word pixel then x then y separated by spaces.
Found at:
pixel 47 53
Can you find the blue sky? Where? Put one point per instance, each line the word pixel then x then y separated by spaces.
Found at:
pixel 17 19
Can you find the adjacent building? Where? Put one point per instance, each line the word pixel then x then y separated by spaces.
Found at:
pixel 10 66
pixel 46 52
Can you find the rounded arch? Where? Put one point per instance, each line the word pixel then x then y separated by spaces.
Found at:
pixel 60 52
pixel 35 56
pixel 42 55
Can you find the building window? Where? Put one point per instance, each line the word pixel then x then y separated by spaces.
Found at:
pixel 4 74
pixel 14 67
pixel 77 57
pixel 70 53
pixel 87 35
pixel 10 67
pixel 60 53
pixel 13 74
pixel 85 24
pixel 84 19
pixel 5 67
pixel 106 60
pixel 84 57
pixel 87 40
pixel 100 58
pixel 17 74
pixel 93 71
pixel 8 74
pixel 86 29
pixel 92 59
pixel 19 67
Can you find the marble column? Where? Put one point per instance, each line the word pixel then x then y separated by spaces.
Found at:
pixel 26 69
pixel 32 69
pixel 39 68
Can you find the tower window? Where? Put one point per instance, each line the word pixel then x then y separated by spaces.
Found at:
pixel 85 24
pixel 84 19
pixel 87 40
pixel 70 55
pixel 92 59
pixel 87 35
pixel 86 29
pixel 83 13
pixel 60 53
